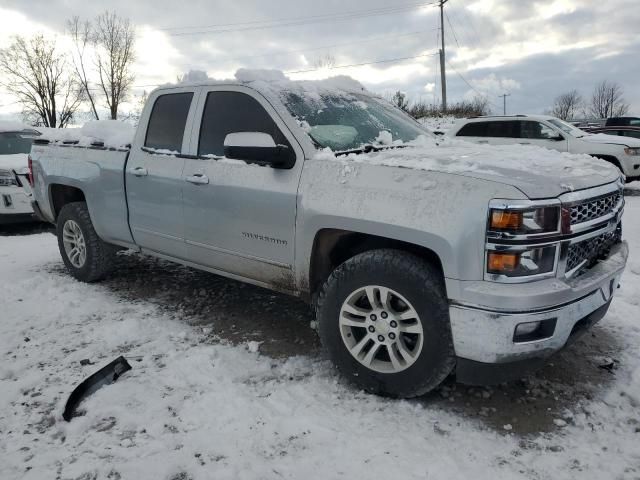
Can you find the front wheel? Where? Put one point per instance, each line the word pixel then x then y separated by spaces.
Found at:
pixel 384 320
pixel 85 255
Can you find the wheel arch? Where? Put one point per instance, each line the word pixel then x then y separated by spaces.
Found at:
pixel 61 195
pixel 609 158
pixel 332 247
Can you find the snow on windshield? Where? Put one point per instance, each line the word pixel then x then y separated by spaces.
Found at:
pixel 355 119
pixel 336 112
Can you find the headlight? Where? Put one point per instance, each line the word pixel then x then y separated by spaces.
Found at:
pixel 632 151
pixel 525 263
pixel 7 179
pixel 524 221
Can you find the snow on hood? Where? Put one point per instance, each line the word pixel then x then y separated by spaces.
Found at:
pixel 113 133
pixel 17 162
pixel 536 171
pixel 612 139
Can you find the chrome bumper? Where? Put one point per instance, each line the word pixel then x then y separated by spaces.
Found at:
pixel 486 335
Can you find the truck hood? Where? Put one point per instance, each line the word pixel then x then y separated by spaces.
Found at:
pixel 603 138
pixel 537 172
pixel 17 162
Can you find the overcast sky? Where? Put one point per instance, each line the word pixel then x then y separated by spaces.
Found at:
pixel 532 49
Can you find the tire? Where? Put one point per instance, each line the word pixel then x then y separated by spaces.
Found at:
pixel 409 281
pixel 98 255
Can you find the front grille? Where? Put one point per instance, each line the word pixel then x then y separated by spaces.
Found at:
pixel 592 209
pixel 592 250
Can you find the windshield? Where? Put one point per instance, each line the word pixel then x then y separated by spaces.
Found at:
pixel 566 128
pixel 12 143
pixel 343 121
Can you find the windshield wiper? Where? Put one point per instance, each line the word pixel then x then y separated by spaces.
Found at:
pixel 368 148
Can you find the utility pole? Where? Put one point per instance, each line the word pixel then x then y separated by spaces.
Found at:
pixel 443 71
pixel 504 101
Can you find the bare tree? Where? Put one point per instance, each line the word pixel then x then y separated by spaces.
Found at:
pixel 113 38
pixel 138 106
pixel 400 100
pixel 80 32
pixel 568 105
pixel 475 107
pixel 37 73
pixel 607 101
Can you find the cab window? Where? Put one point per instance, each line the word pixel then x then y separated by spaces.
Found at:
pixel 167 122
pixel 234 112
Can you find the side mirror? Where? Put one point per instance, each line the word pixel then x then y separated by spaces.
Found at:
pixel 258 147
pixel 559 138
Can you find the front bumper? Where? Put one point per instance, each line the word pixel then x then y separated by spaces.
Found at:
pixel 487 334
pixel 15 205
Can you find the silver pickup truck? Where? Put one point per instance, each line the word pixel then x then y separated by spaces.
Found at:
pixel 421 256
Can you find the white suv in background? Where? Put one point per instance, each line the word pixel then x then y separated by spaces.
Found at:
pixel 553 133
pixel 15 191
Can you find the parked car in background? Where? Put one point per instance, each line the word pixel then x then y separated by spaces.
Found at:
pixel 420 256
pixel 633 132
pixel 622 122
pixel 15 191
pixel 552 133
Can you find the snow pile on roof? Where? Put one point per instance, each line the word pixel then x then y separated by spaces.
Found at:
pixel 112 133
pixel 276 85
pixel 11 126
pixel 194 76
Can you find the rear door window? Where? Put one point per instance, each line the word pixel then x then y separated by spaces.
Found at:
pixel 167 122
pixel 503 129
pixel 234 112
pixel 475 129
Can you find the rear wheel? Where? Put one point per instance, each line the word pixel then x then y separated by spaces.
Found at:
pixel 383 318
pixel 85 255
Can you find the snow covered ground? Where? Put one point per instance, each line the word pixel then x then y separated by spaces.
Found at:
pixel 439 124
pixel 201 404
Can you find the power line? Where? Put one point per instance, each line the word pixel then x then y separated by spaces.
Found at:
pixel 329 16
pixel 212 29
pixel 284 52
pixel 471 86
pixel 364 63
pixel 455 37
pixel 305 17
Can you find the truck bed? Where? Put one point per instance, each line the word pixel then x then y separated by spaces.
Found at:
pixel 98 171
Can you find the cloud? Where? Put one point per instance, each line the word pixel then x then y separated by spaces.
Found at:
pixel 535 49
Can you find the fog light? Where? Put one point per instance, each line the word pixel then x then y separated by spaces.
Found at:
pixel 526 328
pixel 532 331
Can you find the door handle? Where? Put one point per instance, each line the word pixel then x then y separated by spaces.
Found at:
pixel 525 143
pixel 139 172
pixel 483 141
pixel 198 179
